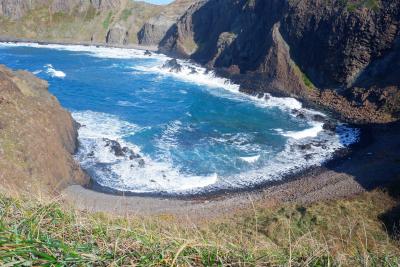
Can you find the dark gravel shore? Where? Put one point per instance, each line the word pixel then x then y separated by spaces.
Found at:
pixel 373 162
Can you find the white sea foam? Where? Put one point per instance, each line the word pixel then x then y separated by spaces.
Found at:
pixel 307 133
pixel 250 159
pixel 293 159
pixel 53 72
pixel 124 103
pixel 97 51
pixel 196 74
pixel 159 175
pixel 124 174
pixel 191 73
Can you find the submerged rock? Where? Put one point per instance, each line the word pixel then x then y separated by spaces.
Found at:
pixel 147 53
pixel 119 151
pixel 305 147
pixel 329 126
pixel 173 65
pixel 319 118
pixel 192 70
pixel 115 147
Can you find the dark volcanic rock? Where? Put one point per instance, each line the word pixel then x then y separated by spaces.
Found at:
pixel 318 118
pixel 115 147
pixel 315 50
pixel 329 126
pixel 192 70
pixel 172 65
pixel 119 151
pixel 305 147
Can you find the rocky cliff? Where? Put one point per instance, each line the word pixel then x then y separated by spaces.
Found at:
pixel 117 22
pixel 37 137
pixel 341 54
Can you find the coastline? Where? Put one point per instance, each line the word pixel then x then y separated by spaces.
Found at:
pixel 372 162
pixel 59 42
pixel 310 185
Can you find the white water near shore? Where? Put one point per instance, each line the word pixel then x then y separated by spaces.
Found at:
pixel 53 72
pixel 162 176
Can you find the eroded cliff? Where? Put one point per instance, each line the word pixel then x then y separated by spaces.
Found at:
pixel 117 22
pixel 341 54
pixel 37 137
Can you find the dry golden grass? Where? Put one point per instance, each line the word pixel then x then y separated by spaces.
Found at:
pixel 344 232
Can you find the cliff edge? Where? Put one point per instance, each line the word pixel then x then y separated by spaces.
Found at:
pixel 37 137
pixel 343 55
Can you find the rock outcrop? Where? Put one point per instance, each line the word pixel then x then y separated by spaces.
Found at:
pixel 340 54
pixel 37 137
pixel 335 53
pixel 154 30
pixel 117 35
pixel 116 22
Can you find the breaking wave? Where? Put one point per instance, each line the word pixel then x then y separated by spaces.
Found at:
pixel 116 162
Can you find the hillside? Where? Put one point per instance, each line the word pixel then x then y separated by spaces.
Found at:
pixel 118 22
pixel 37 138
pixel 339 55
pixel 355 232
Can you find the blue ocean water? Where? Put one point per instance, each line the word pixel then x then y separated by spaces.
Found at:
pixel 191 132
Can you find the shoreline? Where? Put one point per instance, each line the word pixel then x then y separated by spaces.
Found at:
pixel 85 198
pixel 373 162
pixel 83 43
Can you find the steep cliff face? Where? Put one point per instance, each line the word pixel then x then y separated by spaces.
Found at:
pixel 341 54
pixel 336 53
pixel 118 22
pixel 154 30
pixel 37 137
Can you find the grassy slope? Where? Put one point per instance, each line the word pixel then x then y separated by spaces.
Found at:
pixel 346 232
pixel 78 26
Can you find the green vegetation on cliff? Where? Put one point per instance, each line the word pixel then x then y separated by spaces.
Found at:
pixel 345 232
pixel 370 4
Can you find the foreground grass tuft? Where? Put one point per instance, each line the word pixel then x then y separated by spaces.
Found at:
pixel 345 232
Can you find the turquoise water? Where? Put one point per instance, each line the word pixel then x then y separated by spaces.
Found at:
pixel 192 131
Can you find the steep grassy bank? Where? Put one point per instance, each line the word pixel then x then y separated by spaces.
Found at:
pixel 350 232
pixel 37 137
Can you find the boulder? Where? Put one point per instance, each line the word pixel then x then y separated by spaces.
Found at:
pixel 172 65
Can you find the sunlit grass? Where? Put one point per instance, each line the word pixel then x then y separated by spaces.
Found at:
pixel 345 232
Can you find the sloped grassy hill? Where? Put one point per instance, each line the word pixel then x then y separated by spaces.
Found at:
pixel 37 138
pixel 353 232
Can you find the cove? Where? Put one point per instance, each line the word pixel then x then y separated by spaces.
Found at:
pixel 149 129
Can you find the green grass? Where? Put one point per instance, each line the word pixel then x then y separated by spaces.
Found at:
pixel 126 13
pixel 306 80
pixel 345 232
pixel 356 4
pixel 107 21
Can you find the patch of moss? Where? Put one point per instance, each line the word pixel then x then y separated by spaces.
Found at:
pixel 107 21
pixel 126 13
pixel 306 80
pixel 356 4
